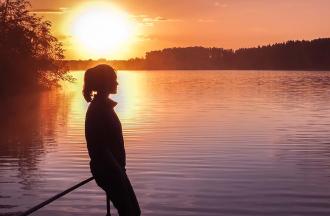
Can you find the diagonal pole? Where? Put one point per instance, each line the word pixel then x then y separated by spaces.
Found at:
pixel 39 206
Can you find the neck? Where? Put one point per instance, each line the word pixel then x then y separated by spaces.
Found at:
pixel 102 95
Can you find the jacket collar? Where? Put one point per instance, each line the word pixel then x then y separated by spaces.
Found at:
pixel 105 100
pixel 112 103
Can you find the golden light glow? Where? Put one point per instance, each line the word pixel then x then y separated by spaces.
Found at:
pixel 101 30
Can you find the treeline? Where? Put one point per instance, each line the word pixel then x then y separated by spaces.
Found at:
pixel 131 64
pixel 291 55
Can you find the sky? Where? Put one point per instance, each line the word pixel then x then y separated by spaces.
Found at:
pixel 230 24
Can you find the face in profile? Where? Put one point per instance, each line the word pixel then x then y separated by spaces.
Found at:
pixel 102 80
pixel 113 84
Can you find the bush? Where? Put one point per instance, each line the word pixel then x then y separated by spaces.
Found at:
pixel 30 56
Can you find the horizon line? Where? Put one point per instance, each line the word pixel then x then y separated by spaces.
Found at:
pixel 210 47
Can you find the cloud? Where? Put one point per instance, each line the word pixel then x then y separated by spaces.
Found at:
pixel 218 4
pixel 150 21
pixel 49 11
pixel 157 37
pixel 142 37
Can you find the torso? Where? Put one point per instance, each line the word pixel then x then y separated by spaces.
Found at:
pixel 104 133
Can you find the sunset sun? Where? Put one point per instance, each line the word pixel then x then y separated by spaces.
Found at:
pixel 101 30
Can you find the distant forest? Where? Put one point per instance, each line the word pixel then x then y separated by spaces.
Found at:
pixel 291 55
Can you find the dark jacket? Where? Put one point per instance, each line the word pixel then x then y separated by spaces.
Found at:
pixel 105 145
pixel 104 137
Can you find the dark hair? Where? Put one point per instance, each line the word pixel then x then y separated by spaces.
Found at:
pixel 96 79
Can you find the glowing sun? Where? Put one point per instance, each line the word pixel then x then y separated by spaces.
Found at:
pixel 101 29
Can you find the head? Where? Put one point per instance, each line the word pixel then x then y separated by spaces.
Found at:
pixel 100 80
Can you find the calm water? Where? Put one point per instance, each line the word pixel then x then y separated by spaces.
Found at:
pixel 197 143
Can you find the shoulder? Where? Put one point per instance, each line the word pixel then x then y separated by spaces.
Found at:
pixel 101 109
pixel 95 110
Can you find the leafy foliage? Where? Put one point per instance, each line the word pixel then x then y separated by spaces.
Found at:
pixel 30 56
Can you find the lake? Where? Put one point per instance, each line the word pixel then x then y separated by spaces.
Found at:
pixel 197 143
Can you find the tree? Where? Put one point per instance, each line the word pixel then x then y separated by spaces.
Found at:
pixel 30 56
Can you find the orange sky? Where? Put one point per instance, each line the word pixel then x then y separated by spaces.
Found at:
pixel 218 23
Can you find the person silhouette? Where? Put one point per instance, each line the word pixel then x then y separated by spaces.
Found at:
pixel 105 143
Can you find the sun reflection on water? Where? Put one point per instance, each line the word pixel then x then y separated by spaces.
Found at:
pixel 131 90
